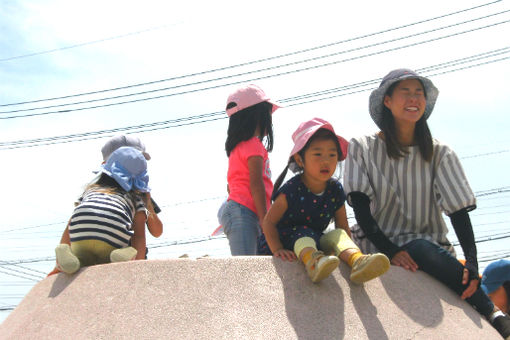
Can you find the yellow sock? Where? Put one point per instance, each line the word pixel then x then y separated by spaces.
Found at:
pixel 354 257
pixel 307 256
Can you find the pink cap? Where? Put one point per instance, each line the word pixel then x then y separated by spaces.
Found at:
pixel 246 96
pixel 308 129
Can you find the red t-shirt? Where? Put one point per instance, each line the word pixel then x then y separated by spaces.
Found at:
pixel 238 175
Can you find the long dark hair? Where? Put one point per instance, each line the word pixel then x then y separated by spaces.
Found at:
pixel 422 133
pixel 242 125
pixel 320 134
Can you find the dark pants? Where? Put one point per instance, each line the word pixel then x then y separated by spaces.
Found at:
pixel 440 264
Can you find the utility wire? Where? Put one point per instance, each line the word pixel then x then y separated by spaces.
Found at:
pixel 213 116
pixel 81 45
pixel 250 72
pixel 259 60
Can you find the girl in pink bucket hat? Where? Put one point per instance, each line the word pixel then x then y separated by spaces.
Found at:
pixel 249 177
pixel 306 204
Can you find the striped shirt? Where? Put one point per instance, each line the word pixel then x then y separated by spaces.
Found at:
pixel 407 195
pixel 105 217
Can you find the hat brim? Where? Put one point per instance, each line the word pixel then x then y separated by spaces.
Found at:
pixel 304 139
pixel 236 109
pixel 376 101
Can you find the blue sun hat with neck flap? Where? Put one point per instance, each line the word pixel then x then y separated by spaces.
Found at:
pixel 495 275
pixel 128 167
pixel 376 101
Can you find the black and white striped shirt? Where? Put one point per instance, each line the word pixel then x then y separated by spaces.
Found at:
pixel 104 216
pixel 407 195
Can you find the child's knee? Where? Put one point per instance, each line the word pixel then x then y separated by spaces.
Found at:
pixel 336 241
pixel 302 243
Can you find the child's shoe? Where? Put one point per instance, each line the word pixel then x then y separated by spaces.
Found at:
pixel 501 322
pixel 368 267
pixel 123 254
pixel 66 260
pixel 320 266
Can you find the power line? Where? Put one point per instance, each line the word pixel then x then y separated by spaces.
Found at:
pixel 251 72
pixel 259 60
pixel 197 119
pixel 81 45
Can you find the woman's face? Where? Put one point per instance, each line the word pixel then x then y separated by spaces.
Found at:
pixel 407 103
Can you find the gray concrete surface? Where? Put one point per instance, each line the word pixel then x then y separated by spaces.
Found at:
pixel 239 298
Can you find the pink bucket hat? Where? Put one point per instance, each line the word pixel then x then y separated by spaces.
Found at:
pixel 246 96
pixel 308 129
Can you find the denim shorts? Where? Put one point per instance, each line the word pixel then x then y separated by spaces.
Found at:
pixel 241 225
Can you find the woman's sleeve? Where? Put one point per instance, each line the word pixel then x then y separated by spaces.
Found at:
pixel 361 205
pixel 464 231
pixel 356 172
pixel 451 186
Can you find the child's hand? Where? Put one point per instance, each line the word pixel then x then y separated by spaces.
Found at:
pixel 285 254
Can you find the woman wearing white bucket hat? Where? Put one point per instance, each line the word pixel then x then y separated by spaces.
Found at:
pixel 400 181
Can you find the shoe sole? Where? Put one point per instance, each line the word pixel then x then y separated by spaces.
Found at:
pixel 326 269
pixel 378 265
pixel 66 260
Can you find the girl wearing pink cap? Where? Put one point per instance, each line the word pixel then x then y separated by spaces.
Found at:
pixel 249 177
pixel 306 204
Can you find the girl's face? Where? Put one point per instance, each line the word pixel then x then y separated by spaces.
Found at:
pixel 407 103
pixel 320 161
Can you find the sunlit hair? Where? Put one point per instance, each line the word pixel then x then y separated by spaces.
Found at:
pixel 320 134
pixel 242 125
pixel 108 185
pixel 422 133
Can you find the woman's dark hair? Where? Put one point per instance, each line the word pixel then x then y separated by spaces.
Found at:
pixel 242 125
pixel 320 134
pixel 421 133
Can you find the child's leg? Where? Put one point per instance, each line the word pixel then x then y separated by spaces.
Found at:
pixel 318 265
pixel 241 226
pixel 364 267
pixel 66 260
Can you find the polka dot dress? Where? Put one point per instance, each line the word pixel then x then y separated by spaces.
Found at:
pixel 307 214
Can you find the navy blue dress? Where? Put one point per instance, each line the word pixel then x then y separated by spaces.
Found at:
pixel 307 214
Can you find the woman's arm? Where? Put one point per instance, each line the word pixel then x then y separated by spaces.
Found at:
pixel 464 231
pixel 257 189
pixel 138 240
pixel 361 206
pixel 341 220
pixel 272 218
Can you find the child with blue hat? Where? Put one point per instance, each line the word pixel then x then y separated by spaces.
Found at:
pixel 110 212
pixel 496 283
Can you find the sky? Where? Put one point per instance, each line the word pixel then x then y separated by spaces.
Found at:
pixel 171 61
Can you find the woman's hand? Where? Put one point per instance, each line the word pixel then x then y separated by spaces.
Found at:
pixel 285 254
pixel 473 285
pixel 403 259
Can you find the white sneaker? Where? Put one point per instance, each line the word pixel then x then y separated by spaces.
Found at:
pixel 368 267
pixel 123 254
pixel 320 266
pixel 66 260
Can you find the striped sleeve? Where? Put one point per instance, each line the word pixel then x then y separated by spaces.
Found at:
pixel 356 174
pixel 451 186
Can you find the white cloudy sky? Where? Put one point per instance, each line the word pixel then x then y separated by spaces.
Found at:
pixel 51 48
